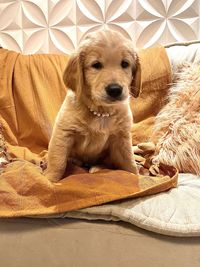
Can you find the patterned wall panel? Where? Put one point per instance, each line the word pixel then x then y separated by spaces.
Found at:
pixel 57 26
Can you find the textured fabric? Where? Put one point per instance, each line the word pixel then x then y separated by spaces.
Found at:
pixel 153 77
pixel 175 212
pixel 31 93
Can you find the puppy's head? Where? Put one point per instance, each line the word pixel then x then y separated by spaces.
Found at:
pixel 103 69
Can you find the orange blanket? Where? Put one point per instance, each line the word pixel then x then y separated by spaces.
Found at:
pixel 31 92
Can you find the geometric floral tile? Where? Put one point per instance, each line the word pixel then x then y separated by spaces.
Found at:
pixel 57 26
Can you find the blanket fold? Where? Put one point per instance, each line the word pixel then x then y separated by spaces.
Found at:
pixel 32 91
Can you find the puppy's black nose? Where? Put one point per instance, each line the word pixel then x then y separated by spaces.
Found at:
pixel 114 90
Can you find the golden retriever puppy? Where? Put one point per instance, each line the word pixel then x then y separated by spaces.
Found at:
pixel 94 123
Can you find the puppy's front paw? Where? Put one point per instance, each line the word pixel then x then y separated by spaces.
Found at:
pixel 134 169
pixel 52 177
pixel 95 169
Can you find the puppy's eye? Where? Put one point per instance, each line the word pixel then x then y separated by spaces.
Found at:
pixel 124 64
pixel 97 65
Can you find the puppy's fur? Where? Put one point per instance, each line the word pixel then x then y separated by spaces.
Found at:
pixel 92 127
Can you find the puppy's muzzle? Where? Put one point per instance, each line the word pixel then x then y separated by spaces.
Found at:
pixel 114 91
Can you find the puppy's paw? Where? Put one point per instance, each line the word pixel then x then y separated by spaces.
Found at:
pixel 135 169
pixel 132 168
pixel 52 177
pixel 95 168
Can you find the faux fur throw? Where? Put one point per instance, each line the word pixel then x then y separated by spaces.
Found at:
pixel 177 126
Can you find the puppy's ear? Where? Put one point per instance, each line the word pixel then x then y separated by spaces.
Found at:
pixel 74 73
pixel 136 73
pixel 70 73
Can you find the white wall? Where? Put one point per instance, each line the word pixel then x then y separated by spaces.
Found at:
pixel 43 26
